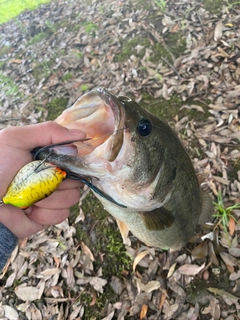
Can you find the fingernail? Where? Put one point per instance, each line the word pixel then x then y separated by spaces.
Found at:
pixel 76 132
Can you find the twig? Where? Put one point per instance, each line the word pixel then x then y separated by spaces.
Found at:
pixel 171 66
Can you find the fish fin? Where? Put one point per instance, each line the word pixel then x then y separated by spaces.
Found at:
pixel 207 208
pixel 157 219
pixel 124 232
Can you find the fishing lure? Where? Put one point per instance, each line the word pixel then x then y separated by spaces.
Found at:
pixel 34 182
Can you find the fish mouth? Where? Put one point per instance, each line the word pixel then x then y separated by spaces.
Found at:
pixel 101 116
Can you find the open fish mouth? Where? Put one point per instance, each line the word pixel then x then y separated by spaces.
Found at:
pixel 101 116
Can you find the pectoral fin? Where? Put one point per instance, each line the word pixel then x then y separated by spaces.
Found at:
pixel 157 219
pixel 124 232
pixel 207 208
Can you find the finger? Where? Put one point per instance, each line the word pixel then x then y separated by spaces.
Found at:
pixel 70 184
pixel 17 222
pixel 42 134
pixel 16 142
pixel 47 217
pixel 60 199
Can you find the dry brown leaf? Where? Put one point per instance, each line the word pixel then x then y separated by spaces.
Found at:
pixel 200 251
pixel 191 269
pixel 148 287
pixel 193 106
pixel 10 313
pixel 231 226
pixel 30 293
pixel 234 276
pixel 17 61
pixel 163 299
pixel 94 298
pixel 228 259
pixel 171 270
pixel 75 312
pixel 138 258
pixel 98 283
pixel 109 317
pixel 87 251
pixel 234 252
pixel 222 293
pixel 33 313
pixel 144 311
pixel 230 268
pixel 218 31
pixel 213 309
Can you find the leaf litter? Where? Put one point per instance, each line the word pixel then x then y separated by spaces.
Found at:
pixel 63 49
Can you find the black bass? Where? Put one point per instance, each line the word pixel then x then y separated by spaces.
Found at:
pixel 136 166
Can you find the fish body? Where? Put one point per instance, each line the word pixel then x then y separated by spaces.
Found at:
pixel 34 182
pixel 136 159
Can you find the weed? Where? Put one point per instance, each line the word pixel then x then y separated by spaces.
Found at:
pixel 8 86
pixel 67 76
pixel 161 4
pixel 51 26
pixel 84 87
pixel 223 213
pixel 90 28
pixel 37 38
pixel 4 50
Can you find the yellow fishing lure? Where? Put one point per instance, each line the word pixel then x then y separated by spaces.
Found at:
pixel 34 182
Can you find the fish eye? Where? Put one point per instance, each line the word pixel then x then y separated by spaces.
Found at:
pixel 144 127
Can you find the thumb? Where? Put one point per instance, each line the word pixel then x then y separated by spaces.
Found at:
pixel 42 134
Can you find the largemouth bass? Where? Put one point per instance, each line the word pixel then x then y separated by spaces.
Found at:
pixel 136 166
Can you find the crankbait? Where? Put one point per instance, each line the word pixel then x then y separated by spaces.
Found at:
pixel 34 182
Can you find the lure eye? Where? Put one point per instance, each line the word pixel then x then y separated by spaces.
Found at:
pixel 144 127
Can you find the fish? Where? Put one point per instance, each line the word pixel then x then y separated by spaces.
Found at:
pixel 32 183
pixel 136 166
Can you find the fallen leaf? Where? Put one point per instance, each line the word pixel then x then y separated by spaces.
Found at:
pixel 222 293
pixel 138 258
pixel 193 106
pixel 228 259
pixel 87 251
pixel 109 317
pixel 98 283
pixel 10 313
pixel 171 270
pixel 234 252
pixel 144 311
pixel 163 298
pixel 200 251
pixel 148 287
pixel 17 61
pixel 191 269
pixel 231 226
pixel 218 31
pixel 29 293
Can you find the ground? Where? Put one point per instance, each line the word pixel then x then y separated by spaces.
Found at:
pixel 181 61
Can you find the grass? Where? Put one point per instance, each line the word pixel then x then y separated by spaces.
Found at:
pixel 8 86
pixel 11 8
pixel 161 5
pixel 224 214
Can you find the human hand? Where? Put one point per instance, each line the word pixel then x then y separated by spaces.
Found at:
pixel 15 146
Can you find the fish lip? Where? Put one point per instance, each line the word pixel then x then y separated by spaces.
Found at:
pixel 97 99
pixel 111 101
